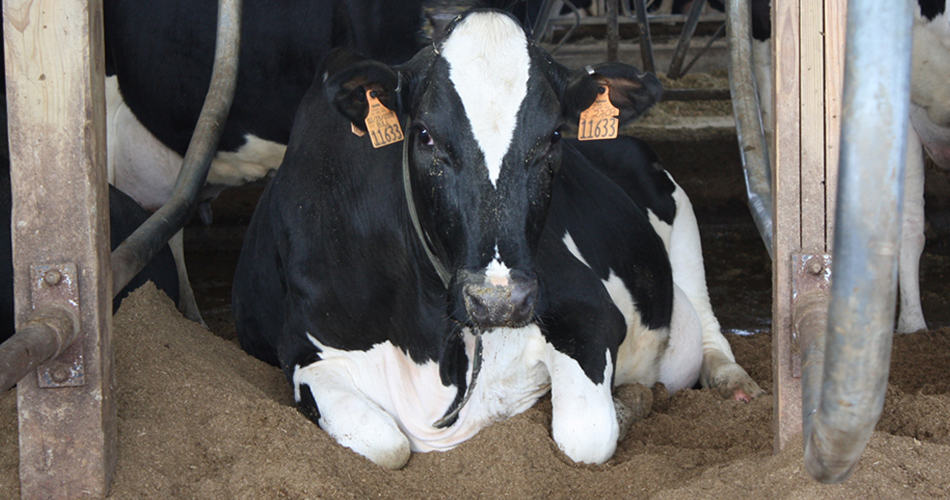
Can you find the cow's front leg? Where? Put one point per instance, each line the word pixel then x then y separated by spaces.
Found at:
pixel 326 393
pixel 584 421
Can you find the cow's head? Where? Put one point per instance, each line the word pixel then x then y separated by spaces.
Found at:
pixel 484 108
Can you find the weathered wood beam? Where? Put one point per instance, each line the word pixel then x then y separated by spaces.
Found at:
pixel 56 110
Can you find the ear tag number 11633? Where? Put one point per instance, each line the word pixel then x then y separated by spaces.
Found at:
pixel 599 121
pixel 381 122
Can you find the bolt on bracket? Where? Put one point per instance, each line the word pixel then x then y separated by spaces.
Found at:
pixel 57 285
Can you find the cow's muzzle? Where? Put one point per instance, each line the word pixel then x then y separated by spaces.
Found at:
pixel 491 305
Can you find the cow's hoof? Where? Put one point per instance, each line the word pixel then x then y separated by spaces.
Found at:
pixel 910 325
pixel 633 403
pixel 732 382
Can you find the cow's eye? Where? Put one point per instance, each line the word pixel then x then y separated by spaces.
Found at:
pixel 555 137
pixel 425 137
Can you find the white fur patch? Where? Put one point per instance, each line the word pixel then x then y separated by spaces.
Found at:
pixel 689 273
pixel 930 67
pixel 683 358
pixel 639 354
pixel 572 247
pixel 497 272
pixel 488 61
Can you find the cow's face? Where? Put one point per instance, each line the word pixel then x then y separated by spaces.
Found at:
pixel 484 110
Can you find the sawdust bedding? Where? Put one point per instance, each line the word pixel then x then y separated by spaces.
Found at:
pixel 198 418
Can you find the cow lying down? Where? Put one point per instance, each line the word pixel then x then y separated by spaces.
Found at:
pixel 417 292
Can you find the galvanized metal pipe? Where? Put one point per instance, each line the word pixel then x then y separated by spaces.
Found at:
pixel 43 336
pixel 679 55
pixel 613 29
pixel 746 108
pixel 875 110
pixel 139 248
pixel 567 36
pixel 646 42
pixel 720 32
pixel 540 26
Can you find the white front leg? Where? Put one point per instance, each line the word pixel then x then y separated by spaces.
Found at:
pixel 584 421
pixel 349 417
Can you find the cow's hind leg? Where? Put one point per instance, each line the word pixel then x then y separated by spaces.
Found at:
pixel 911 315
pixel 720 370
pixel 326 394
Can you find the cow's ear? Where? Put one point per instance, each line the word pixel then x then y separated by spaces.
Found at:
pixel 631 91
pixel 349 76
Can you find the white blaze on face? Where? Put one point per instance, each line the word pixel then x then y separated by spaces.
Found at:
pixel 497 272
pixel 488 64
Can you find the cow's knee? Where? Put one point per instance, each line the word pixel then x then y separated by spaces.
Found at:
pixel 584 420
pixel 349 417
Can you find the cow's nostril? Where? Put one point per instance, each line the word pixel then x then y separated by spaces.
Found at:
pixel 477 305
pixel 523 297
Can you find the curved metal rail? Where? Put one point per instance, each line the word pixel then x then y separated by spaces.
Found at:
pixel 845 377
pixel 142 245
pixel 747 111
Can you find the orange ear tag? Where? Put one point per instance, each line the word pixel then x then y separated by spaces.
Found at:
pixel 599 121
pixel 381 123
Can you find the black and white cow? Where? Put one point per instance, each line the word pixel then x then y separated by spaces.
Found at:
pixel 565 267
pixel 929 131
pixel 159 57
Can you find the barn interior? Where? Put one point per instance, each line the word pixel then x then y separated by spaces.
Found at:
pixel 200 418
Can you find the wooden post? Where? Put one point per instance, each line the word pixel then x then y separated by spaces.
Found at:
pixel 56 109
pixel 787 229
pixel 807 54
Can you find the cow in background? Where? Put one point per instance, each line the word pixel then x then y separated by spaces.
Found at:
pixel 415 293
pixel 159 57
pixel 929 131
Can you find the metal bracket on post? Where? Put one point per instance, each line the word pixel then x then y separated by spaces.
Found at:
pixel 811 291
pixel 57 285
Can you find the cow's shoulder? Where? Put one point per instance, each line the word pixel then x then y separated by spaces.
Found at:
pixel 598 229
